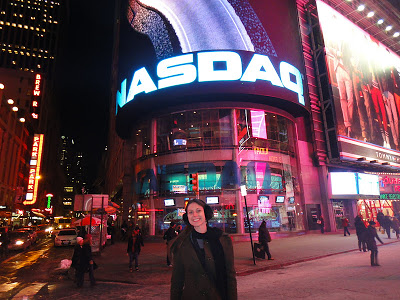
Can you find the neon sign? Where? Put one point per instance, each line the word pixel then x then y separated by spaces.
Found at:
pixel 180 70
pixel 34 169
pixel 38 79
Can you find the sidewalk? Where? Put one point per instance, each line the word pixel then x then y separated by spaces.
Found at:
pixel 287 249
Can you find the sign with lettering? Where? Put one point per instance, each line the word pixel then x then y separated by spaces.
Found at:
pixel 34 169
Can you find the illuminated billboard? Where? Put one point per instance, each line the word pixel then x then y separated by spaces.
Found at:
pixel 364 76
pixel 209 51
pixel 34 169
pixel 348 185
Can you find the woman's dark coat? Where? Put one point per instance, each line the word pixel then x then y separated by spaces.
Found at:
pixel 370 238
pixel 82 257
pixel 189 279
pixel 263 235
pixel 135 243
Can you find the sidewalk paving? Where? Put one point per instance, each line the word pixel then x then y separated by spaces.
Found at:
pixel 287 249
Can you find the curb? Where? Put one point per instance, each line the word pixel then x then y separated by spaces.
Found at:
pixel 285 264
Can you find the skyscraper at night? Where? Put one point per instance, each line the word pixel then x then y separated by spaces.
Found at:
pixel 29 34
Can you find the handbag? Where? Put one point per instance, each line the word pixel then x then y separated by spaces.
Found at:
pixel 259 251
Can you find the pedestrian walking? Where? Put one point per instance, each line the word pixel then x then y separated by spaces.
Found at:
pixel 321 223
pixel 387 224
pixel 264 238
pixel 169 235
pixel 124 229
pixel 82 261
pixel 4 242
pixel 371 243
pixel 203 261
pixel 135 242
pixel 361 232
pixel 345 224
pixel 396 226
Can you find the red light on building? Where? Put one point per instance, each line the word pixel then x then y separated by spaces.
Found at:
pixel 38 79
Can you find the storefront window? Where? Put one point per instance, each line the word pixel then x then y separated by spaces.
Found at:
pixel 264 130
pixel 194 129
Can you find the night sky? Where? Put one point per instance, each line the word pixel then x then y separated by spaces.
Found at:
pixel 83 77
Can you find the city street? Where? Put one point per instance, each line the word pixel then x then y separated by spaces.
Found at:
pixel 33 274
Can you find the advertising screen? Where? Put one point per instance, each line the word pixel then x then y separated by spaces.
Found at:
pixel 280 199
pixel 364 76
pixel 368 184
pixel 181 52
pixel 212 200
pixel 169 202
pixel 291 200
pixel 344 183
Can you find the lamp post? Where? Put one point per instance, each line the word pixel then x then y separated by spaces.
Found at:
pixel 244 194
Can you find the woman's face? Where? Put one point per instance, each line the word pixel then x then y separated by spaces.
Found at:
pixel 196 215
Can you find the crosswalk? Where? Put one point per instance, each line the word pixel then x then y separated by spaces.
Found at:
pixel 29 292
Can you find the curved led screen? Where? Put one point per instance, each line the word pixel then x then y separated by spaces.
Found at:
pixel 173 53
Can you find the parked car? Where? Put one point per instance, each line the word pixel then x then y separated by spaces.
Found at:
pixel 19 240
pixel 65 237
pixel 32 233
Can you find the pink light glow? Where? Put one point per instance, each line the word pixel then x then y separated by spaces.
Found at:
pixel 258 127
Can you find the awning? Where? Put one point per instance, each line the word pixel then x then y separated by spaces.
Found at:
pixel 39 214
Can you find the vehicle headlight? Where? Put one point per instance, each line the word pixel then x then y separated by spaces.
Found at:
pixel 49 229
pixel 19 243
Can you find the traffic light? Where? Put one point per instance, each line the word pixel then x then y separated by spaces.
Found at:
pixel 194 181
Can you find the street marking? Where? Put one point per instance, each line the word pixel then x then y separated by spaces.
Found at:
pixel 5 287
pixel 30 291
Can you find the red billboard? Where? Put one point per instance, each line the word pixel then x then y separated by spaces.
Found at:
pixel 364 76
pixel 233 50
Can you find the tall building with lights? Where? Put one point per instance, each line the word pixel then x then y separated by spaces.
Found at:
pixel 286 111
pixel 73 165
pixel 29 34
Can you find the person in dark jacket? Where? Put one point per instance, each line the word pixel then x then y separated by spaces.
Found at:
pixel 264 238
pixel 396 226
pixel 82 261
pixel 203 260
pixel 361 232
pixel 169 235
pixel 134 246
pixel 371 243
pixel 387 224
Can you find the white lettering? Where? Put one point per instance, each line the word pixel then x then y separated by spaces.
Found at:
pixel 176 71
pixel 260 67
pixel 206 67
pixel 141 82
pixel 180 70
pixel 297 86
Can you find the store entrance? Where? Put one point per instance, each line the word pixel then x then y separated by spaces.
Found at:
pixel 338 212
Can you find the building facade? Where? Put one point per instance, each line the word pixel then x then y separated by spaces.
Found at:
pixel 242 95
pixel 29 34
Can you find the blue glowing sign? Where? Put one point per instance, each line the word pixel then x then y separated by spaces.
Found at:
pixel 201 67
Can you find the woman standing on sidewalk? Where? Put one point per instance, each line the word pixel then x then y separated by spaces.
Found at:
pixel 203 265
